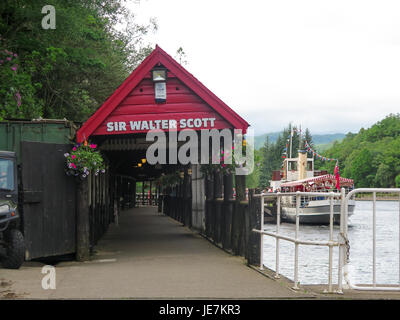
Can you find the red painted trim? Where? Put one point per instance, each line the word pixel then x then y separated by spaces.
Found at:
pixel 158 56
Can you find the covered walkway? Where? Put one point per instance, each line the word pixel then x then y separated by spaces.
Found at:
pixel 149 255
pixel 166 259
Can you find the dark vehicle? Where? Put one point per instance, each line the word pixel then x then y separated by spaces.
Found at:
pixel 12 246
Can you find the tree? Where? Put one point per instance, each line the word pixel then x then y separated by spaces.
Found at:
pixel 273 154
pixel 361 169
pixel 384 176
pixel 308 138
pixel 15 85
pixel 397 181
pixel 266 161
pixel 253 179
pixel 372 156
pixel 181 56
pixel 71 70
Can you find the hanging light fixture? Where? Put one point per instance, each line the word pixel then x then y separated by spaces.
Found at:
pixel 159 74
pixel 139 165
pixel 144 160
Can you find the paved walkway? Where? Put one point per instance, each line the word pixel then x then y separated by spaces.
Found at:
pixel 148 255
pixel 152 256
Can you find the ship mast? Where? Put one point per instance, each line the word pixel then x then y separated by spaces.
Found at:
pixel 291 138
pixel 301 140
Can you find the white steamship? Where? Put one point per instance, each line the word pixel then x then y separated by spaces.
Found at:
pixel 298 175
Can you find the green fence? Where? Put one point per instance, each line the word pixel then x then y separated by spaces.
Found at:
pixel 49 131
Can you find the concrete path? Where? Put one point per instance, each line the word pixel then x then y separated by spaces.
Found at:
pixel 148 255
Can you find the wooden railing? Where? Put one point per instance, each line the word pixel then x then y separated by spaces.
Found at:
pixel 228 220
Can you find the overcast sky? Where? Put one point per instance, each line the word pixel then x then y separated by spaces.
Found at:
pixel 331 66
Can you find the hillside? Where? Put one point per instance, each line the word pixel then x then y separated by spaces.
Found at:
pixel 321 141
pixel 372 156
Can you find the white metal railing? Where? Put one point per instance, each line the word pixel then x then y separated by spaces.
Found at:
pixel 341 243
pixel 372 286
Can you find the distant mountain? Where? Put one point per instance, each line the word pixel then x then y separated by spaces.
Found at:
pixel 322 140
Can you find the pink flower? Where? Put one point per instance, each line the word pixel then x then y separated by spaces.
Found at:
pixel 74 148
pixel 73 156
pixel 73 165
pixel 8 59
pixel 18 97
pixel 14 68
pixel 93 146
pixel 15 55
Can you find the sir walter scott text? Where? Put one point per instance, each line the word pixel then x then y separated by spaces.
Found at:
pixel 160 124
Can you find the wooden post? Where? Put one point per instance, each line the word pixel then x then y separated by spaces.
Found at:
pixel 186 197
pixel 159 199
pixel 253 221
pixel 134 193
pixel 237 221
pixel 209 203
pixel 189 200
pixel 82 222
pixel 227 211
pixel 150 196
pixel 142 193
pixel 178 202
pixel 217 223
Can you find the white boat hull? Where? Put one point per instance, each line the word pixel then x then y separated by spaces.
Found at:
pixel 317 212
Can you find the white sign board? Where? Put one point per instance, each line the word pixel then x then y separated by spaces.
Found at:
pixel 160 90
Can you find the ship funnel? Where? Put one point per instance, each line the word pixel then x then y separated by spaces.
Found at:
pixel 302 164
pixel 302 160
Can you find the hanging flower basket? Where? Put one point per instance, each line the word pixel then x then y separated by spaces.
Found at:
pixel 169 180
pixel 83 160
pixel 225 168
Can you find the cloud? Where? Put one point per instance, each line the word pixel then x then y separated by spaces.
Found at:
pixel 332 66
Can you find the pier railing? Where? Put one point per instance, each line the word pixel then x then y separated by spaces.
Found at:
pixel 342 241
pixel 331 243
pixel 373 285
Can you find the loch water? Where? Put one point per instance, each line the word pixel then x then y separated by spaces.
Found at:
pixel 313 260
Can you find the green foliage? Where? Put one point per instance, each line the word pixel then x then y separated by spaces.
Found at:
pixel 361 168
pixel 169 180
pixel 271 153
pixel 181 56
pixel 16 89
pixel 397 181
pixel 371 157
pixel 83 160
pixel 253 179
pixel 71 70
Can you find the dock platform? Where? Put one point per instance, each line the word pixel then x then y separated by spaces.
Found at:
pixel 151 256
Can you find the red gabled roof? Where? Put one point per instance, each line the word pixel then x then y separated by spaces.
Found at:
pixel 325 177
pixel 159 56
